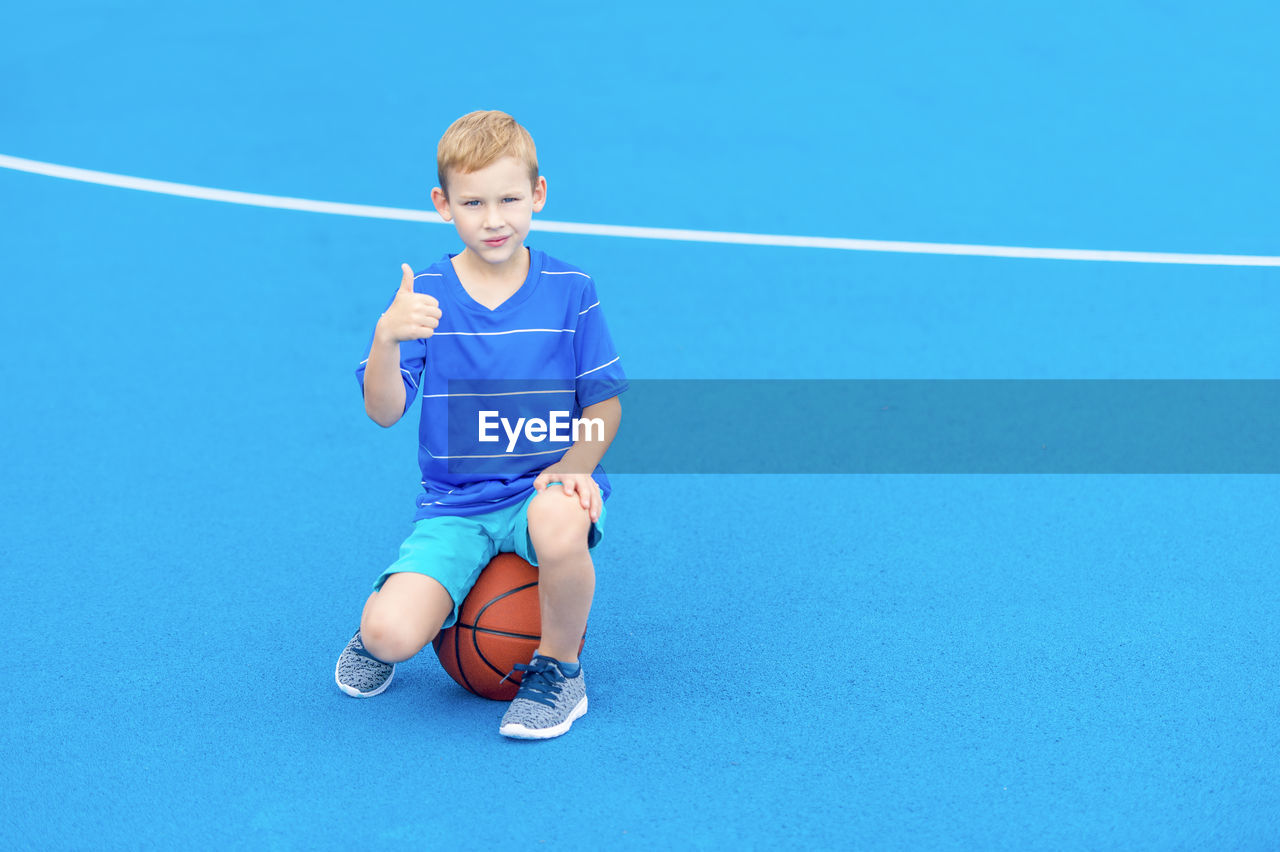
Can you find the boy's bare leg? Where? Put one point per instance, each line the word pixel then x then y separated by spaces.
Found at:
pixel 558 527
pixel 402 617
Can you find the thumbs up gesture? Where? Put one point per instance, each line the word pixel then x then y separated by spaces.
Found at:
pixel 412 316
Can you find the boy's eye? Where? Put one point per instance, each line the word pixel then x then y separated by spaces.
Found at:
pixel 472 203
pixel 512 198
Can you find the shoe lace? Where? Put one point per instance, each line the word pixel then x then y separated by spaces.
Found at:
pixel 540 684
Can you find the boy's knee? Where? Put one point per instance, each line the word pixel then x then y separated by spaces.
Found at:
pixel 558 524
pixel 388 639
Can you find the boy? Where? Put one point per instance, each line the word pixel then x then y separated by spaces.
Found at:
pixel 495 311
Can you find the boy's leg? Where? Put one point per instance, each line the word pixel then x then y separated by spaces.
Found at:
pixel 402 617
pixel 553 690
pixel 395 617
pixel 413 599
pixel 558 527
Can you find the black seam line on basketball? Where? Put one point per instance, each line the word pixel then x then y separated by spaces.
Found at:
pixel 505 594
pixel 475 640
pixel 457 662
pixel 475 643
pixel 493 632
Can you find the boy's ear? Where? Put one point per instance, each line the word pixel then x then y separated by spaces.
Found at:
pixel 539 194
pixel 441 202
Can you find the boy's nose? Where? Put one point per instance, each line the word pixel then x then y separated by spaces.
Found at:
pixel 492 220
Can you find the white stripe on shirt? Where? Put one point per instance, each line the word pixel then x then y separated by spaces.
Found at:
pixel 434 502
pixel 504 393
pixel 601 367
pixel 498 455
pixel 408 375
pixel 512 331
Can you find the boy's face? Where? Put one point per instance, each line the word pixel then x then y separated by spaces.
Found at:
pixel 492 208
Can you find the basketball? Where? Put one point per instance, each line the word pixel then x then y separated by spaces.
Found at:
pixel 499 624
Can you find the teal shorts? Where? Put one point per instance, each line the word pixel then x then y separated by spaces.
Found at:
pixel 454 550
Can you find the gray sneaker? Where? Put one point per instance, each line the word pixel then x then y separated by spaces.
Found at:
pixel 360 674
pixel 547 702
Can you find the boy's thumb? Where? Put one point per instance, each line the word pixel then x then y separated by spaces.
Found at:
pixel 406 281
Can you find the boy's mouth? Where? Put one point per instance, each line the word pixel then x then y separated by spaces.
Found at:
pixel 495 243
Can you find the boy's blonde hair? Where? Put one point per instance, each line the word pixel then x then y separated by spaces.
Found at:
pixel 481 138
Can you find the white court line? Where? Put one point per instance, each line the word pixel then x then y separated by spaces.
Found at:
pixel 841 243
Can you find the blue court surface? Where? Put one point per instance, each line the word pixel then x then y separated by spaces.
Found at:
pixel 195 505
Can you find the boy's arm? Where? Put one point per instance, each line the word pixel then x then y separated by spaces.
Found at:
pixel 584 455
pixel 411 316
pixel 384 391
pixel 573 470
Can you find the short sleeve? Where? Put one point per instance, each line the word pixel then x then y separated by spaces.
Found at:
pixel 599 368
pixel 413 355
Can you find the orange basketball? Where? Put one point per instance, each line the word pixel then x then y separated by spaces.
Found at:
pixel 499 625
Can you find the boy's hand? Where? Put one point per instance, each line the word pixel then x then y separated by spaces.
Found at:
pixel 412 316
pixel 580 484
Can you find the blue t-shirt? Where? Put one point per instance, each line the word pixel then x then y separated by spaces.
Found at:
pixel 501 389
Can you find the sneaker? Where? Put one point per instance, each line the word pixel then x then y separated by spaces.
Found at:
pixel 360 674
pixel 547 702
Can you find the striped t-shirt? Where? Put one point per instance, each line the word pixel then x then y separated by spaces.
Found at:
pixel 501 388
